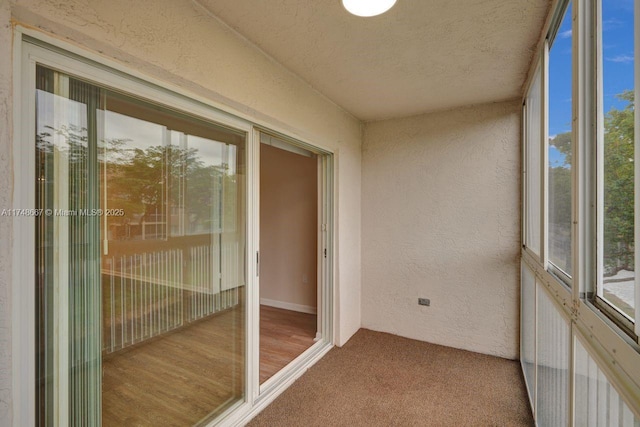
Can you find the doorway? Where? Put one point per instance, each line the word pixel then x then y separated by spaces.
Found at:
pixel 289 229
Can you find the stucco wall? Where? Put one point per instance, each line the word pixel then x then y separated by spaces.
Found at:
pixel 440 203
pixel 178 42
pixel 6 186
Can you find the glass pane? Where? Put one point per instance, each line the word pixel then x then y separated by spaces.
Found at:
pixel 533 179
pixel 147 210
pixel 597 402
pixel 68 362
pixel 617 154
pixel 559 173
pixel 552 395
pixel 528 328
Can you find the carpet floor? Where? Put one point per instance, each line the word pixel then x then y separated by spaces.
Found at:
pixel 378 379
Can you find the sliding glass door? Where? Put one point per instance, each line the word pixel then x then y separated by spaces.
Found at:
pixel 140 259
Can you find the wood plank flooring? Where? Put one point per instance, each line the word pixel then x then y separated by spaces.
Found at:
pixel 178 378
pixel 181 377
pixel 284 335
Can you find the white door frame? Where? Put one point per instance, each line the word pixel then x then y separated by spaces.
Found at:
pixel 324 276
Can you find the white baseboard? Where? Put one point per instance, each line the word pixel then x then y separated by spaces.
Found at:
pixel 289 306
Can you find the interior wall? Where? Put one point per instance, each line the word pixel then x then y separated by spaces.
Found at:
pixel 288 229
pixel 178 42
pixel 441 220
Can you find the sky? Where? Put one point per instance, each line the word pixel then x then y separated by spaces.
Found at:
pixel 618 55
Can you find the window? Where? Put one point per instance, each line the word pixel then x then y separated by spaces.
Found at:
pixel 586 298
pixel 533 127
pixel 616 159
pixel 559 149
pixel 607 184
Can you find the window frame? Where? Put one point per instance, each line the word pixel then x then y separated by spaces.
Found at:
pixel 527 144
pixel 582 284
pixel 618 349
pixel 541 65
pixel 563 277
pixel 636 125
pixel 593 289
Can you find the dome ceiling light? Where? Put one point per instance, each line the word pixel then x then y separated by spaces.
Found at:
pixel 368 7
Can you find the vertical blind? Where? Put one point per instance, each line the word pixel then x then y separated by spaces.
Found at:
pixel 142 235
pixel 552 363
pixel 68 258
pixel 549 367
pixel 597 402
pixel 527 327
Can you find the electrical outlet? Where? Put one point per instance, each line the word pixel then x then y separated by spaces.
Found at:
pixel 424 301
pixel 305 278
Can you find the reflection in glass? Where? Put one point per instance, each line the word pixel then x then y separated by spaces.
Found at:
pixel 616 117
pixel 560 146
pixel 141 264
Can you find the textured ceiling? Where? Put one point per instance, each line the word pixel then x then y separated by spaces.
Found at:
pixel 422 55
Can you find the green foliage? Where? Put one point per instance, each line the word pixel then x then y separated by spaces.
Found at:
pixel 149 185
pixel 562 142
pixel 619 187
pixel 560 204
pixel 145 183
pixel 560 217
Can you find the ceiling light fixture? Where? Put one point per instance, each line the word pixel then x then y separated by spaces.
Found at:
pixel 368 7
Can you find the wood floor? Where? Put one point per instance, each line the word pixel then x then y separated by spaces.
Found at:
pixel 284 335
pixel 196 372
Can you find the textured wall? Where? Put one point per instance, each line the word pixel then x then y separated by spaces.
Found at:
pixel 6 185
pixel 178 42
pixel 440 203
pixel 288 227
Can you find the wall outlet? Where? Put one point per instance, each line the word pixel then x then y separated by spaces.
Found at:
pixel 305 278
pixel 424 301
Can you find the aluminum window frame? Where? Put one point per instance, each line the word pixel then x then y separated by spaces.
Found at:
pixel 618 349
pixel 526 152
pixel 594 287
pixel 560 12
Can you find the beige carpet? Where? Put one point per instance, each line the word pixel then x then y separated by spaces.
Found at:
pixel 378 379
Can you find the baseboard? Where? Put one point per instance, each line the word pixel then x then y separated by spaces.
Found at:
pixel 288 306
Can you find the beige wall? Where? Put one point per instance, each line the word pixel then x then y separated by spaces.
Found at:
pixel 178 42
pixel 441 197
pixel 288 229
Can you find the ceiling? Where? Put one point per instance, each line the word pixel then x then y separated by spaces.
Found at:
pixel 422 55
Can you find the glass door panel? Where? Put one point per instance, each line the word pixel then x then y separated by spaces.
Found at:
pixel 141 259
